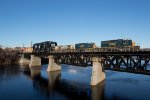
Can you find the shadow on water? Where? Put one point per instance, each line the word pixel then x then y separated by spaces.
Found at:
pixel 54 84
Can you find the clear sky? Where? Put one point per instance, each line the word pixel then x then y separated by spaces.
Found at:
pixel 73 21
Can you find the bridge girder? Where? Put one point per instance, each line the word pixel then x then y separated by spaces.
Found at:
pixel 44 47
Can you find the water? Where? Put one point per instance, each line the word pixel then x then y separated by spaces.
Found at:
pixel 71 83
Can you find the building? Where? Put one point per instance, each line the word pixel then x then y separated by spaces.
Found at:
pixel 20 49
pixel 58 48
pixel 24 49
pixel 27 49
pixel 69 47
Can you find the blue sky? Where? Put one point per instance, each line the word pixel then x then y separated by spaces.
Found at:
pixel 73 21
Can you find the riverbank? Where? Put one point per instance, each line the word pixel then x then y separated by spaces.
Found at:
pixel 8 56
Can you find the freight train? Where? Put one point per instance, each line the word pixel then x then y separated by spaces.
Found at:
pixel 109 45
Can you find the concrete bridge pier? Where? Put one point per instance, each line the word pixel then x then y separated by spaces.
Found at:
pixel 23 60
pixel 52 66
pixel 35 61
pixel 97 72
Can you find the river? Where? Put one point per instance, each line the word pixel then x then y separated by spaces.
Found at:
pixel 71 83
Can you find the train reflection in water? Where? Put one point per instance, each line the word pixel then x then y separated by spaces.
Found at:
pixel 54 84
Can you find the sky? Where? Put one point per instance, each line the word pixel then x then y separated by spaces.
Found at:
pixel 74 21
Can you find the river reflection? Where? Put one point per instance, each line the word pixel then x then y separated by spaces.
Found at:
pixel 57 84
pixel 71 83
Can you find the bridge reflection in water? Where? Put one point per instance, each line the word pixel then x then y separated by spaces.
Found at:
pixel 55 83
pixel 70 84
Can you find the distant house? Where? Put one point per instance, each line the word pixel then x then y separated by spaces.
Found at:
pixel 27 49
pixel 20 49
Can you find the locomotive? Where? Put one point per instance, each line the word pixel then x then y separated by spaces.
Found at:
pixel 121 44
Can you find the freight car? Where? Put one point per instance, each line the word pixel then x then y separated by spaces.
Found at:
pixel 85 45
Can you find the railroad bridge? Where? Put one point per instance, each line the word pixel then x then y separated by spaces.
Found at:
pixel 130 60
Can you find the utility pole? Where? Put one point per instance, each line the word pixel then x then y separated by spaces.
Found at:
pixel 23 45
pixel 31 43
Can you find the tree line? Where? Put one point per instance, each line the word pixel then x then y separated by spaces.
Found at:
pixel 8 56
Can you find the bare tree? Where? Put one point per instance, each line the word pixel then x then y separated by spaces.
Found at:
pixel 8 55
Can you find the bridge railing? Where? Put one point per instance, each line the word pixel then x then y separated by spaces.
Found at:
pixel 102 50
pixel 145 49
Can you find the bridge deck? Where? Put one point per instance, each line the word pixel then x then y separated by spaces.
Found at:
pixel 135 61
